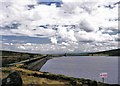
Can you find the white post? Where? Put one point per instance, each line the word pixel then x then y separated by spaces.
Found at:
pixel 103 76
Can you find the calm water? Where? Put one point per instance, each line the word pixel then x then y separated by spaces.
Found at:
pixel 88 67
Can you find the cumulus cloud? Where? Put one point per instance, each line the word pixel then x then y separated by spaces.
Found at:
pixel 54 40
pixel 66 35
pixel 76 24
pixel 88 26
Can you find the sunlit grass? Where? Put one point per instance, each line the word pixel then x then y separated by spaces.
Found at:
pixel 27 77
pixel 44 78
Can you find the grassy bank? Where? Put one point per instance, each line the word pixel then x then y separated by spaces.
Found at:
pixel 28 76
pixel 44 78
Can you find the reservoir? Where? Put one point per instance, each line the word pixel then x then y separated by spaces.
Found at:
pixel 88 67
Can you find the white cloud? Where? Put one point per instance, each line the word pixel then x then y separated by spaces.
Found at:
pixel 53 40
pixel 61 48
pixel 65 34
pixel 21 47
pixel 88 25
pixel 93 23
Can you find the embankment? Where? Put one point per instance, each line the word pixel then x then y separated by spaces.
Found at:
pixel 37 65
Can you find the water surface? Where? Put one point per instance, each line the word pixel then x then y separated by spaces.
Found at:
pixel 88 67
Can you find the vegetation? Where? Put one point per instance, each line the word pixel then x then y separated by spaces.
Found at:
pixel 44 78
pixel 28 78
pixel 115 52
pixel 12 57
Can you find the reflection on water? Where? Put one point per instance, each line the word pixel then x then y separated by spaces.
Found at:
pixel 84 67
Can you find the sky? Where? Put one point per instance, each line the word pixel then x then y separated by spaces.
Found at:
pixel 77 26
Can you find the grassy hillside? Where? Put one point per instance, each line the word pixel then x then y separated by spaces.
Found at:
pixel 11 57
pixel 115 52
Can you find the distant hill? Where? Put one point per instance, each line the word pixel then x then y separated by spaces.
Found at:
pixel 14 53
pixel 115 52
pixel 12 56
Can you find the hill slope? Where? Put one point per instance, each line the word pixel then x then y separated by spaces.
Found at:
pixel 115 52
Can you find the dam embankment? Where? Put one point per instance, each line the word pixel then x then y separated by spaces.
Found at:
pixel 37 65
pixel 33 63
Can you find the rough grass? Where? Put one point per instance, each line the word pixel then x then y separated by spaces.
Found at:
pixel 29 79
pixel 46 79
